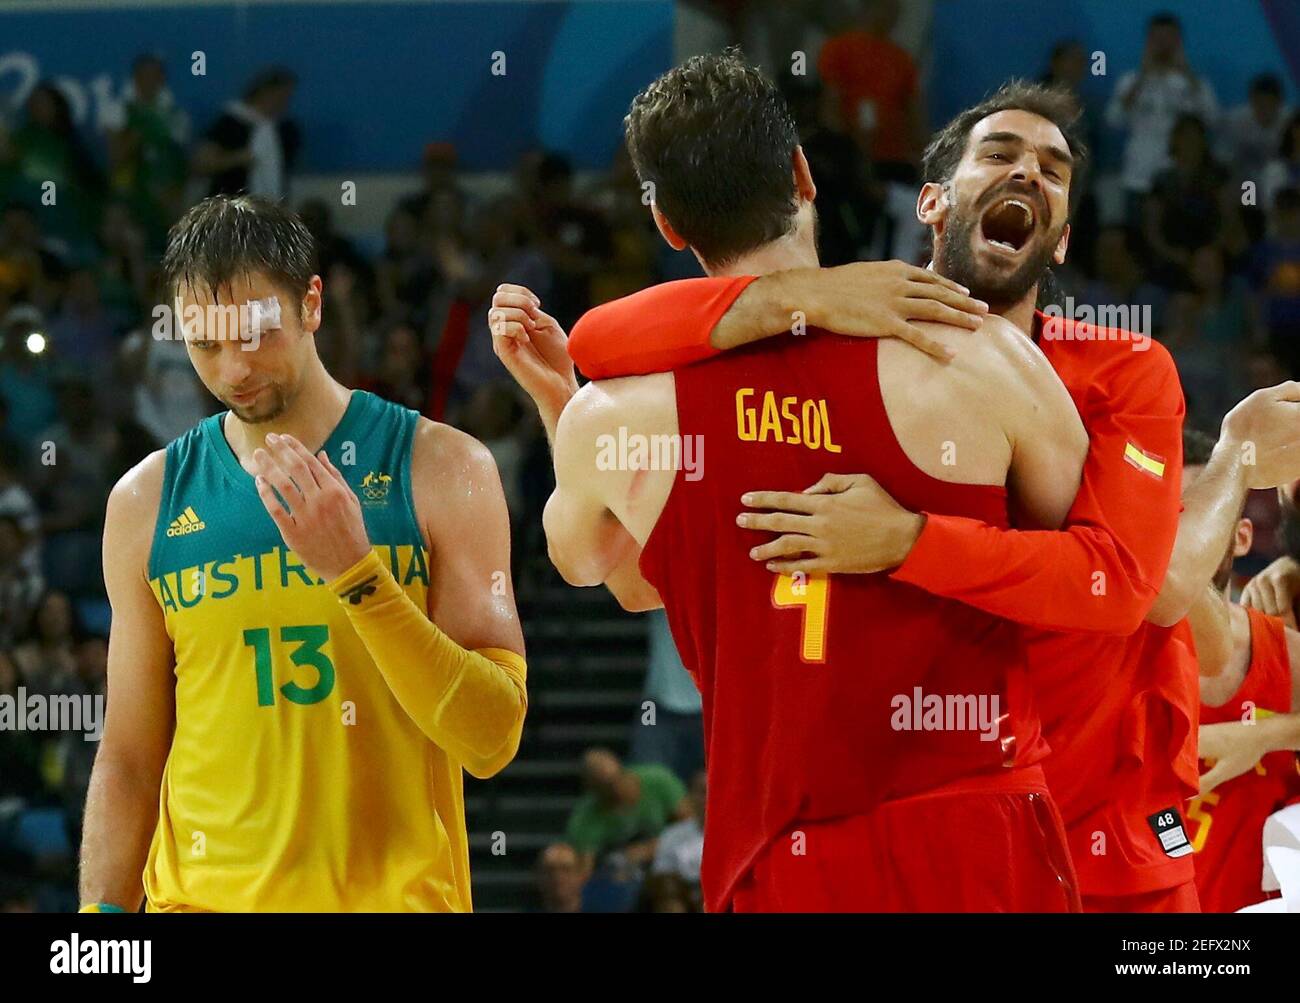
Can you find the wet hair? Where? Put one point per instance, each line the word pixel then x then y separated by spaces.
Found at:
pixel 226 237
pixel 717 140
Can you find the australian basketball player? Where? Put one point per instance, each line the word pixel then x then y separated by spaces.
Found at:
pixel 313 631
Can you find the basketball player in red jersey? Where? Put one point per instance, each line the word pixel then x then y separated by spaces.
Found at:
pixel 1250 728
pixel 869 746
pixel 1118 694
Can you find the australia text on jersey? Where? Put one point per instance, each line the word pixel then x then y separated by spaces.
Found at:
pixel 188 587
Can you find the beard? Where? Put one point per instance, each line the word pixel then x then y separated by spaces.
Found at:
pixel 270 405
pixel 956 259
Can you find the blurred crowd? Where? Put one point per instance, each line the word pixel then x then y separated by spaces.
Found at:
pixel 1191 208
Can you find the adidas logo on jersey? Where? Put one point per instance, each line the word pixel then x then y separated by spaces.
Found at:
pixel 185 523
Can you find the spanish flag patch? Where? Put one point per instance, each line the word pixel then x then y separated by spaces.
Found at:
pixel 1140 458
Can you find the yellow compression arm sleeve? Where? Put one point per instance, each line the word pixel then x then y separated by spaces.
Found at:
pixel 471 704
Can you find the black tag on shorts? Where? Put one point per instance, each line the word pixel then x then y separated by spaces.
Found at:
pixel 1168 827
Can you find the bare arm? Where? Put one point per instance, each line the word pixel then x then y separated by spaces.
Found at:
pixel 122 802
pixel 533 346
pixel 1211 508
pixel 1258 448
pixel 471 597
pixel 463 511
pixel 1222 641
pixel 1048 440
pixel 585 540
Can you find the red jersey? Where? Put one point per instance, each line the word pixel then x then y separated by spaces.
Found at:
pixel 1227 824
pixel 826 696
pixel 1110 686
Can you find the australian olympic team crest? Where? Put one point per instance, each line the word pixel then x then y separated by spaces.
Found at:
pixel 374 488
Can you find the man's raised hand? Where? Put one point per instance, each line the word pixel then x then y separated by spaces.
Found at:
pixel 533 347
pixel 323 524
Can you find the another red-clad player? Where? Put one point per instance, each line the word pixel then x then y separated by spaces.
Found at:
pixel 1250 728
pixel 870 746
pixel 1114 667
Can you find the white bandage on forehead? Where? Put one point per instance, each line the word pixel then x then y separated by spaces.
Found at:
pixel 263 314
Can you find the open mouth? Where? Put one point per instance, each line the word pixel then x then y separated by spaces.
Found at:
pixel 1008 225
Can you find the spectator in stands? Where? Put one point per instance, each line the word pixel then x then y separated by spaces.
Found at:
pixel 624 810
pixel 1148 102
pixel 20 587
pixel 1119 279
pixel 252 146
pixel 29 269
pixel 636 243
pixel 560 876
pixel 438 175
pixel 74 755
pixel 166 396
pixel 1283 171
pixel 1251 134
pixel 674 882
pixel 402 371
pixel 17 503
pixel 121 271
pixel 82 466
pixel 1210 329
pixel 332 248
pixel 47 659
pixel 20 756
pixel 83 330
pixel 46 149
pixel 574 238
pixel 848 191
pixel 1190 206
pixel 1067 69
pixel 494 253
pixel 147 133
pixel 1275 270
pixel 405 272
pixel 875 81
pixel 341 340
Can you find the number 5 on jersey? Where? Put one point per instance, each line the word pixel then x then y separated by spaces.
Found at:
pixel 812 592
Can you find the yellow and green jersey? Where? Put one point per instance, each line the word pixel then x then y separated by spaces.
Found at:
pixel 295 781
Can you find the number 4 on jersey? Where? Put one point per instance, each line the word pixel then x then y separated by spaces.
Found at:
pixel 812 592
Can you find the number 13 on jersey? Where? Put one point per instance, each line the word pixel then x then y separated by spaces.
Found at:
pixel 812 592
